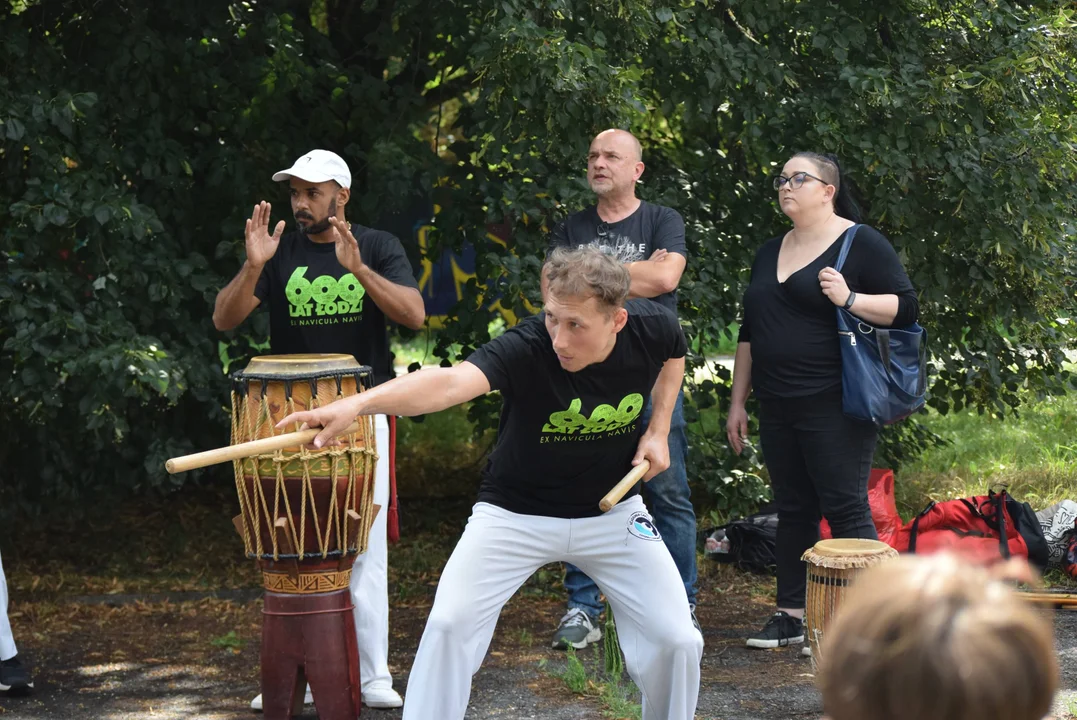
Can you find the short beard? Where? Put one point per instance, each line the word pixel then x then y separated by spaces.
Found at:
pixel 600 191
pixel 322 225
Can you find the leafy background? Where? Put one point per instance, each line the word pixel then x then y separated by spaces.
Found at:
pixel 135 138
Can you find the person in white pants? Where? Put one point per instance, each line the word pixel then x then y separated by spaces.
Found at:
pixel 363 279
pixel 370 590
pixel 13 676
pixel 370 594
pixel 573 382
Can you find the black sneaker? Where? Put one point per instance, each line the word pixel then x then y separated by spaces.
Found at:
pixel 13 676
pixel 782 629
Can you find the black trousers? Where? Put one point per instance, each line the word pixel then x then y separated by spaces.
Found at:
pixel 819 462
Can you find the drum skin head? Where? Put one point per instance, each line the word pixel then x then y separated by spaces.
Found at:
pixel 846 547
pixel 291 366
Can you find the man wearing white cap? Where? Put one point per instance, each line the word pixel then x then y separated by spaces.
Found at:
pixel 368 268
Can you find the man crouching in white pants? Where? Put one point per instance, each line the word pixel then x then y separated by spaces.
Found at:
pixel 573 380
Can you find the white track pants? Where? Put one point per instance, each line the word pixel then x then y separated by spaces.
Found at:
pixel 7 640
pixel 499 550
pixel 370 581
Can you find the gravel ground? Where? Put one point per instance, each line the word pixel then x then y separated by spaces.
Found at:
pixel 158 660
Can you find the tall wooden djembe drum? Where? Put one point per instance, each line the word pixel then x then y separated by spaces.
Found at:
pixel 304 516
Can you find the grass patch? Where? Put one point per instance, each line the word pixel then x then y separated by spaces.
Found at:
pixel 619 701
pixel 1033 454
pixel 229 641
pixel 617 695
pixel 574 676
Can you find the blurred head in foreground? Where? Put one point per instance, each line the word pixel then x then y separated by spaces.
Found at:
pixel 933 638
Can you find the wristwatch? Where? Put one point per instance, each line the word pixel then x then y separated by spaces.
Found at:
pixel 849 302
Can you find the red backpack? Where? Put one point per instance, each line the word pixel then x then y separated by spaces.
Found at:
pixel 983 528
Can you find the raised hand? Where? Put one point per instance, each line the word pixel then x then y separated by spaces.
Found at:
pixel 347 247
pixel 261 246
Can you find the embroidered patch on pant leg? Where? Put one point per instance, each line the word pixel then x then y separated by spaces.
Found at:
pixel 641 525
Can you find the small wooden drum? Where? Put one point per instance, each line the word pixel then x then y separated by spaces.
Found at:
pixel 304 514
pixel 832 567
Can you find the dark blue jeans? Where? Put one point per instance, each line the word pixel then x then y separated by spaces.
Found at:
pixel 669 501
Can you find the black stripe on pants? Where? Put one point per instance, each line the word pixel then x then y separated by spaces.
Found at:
pixel 819 462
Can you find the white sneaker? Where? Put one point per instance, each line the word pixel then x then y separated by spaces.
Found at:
pixel 377 697
pixel 382 697
pixel 256 703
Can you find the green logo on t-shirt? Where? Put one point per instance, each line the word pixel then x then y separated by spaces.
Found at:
pixel 604 418
pixel 323 296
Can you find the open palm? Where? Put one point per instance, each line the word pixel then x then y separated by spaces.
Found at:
pixel 261 246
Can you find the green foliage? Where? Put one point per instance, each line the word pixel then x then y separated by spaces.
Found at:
pixel 134 138
pixel 613 660
pixel 228 641
pixel 617 696
pixel 574 675
pixel 955 122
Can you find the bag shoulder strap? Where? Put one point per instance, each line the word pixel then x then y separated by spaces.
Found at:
pixel 914 531
pixel 1000 515
pixel 849 235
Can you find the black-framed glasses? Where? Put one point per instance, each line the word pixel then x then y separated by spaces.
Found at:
pixel 796 180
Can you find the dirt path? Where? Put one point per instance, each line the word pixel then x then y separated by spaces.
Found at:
pixel 200 660
pixel 169 627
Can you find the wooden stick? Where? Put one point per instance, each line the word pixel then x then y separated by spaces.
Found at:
pixel 1066 601
pixel 627 483
pixel 248 449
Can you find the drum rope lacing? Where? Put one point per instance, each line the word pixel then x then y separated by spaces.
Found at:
pixel 249 505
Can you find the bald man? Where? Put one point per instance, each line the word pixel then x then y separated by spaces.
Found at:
pixel 649 239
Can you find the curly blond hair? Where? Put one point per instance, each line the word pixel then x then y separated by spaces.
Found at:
pixel 587 272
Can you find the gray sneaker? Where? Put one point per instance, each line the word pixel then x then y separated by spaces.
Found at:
pixel 577 629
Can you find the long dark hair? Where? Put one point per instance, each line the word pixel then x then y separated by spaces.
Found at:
pixel 845 204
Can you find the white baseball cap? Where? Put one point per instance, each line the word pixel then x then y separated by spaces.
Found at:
pixel 318 166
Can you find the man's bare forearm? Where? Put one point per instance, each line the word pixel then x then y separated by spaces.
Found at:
pixel 425 391
pixel 401 304
pixel 236 300
pixel 664 395
pixel 653 278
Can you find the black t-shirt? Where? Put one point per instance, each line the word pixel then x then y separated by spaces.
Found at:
pixel 636 237
pixel 566 438
pixel 793 327
pixel 317 306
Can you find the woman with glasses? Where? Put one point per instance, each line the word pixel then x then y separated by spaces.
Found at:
pixel 818 459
